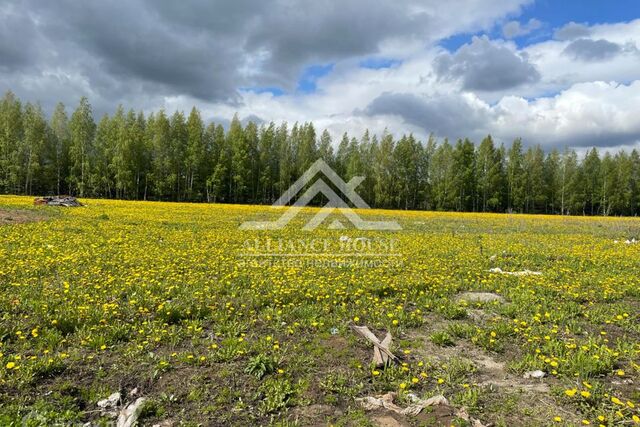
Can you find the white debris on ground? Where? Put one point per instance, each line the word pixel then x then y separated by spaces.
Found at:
pixel 129 415
pixel 498 270
pixel 479 297
pixel 385 401
pixel 110 402
pixel 534 374
pixel 108 406
pixel 633 241
pixel 65 201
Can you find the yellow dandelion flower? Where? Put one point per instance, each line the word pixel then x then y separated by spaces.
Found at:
pixel 571 392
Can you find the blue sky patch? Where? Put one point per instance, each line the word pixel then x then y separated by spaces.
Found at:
pixel 377 63
pixel 555 14
pixel 275 91
pixel 310 75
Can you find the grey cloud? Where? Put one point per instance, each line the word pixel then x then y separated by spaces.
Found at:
pixel 17 39
pixel 132 44
pixel 336 30
pixel 144 49
pixel 226 18
pixel 446 116
pixel 592 50
pixel 572 31
pixel 513 29
pixel 485 66
pixel 605 138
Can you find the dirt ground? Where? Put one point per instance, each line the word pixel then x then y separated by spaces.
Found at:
pixel 19 216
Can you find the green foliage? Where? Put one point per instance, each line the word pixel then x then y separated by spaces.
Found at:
pixel 442 339
pixel 261 365
pixel 162 157
pixel 340 385
pixel 277 394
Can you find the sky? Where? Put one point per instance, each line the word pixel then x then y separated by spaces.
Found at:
pixel 555 73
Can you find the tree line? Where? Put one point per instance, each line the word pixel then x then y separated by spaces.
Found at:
pixel 176 157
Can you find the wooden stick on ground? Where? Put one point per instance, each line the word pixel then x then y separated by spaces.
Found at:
pixel 382 356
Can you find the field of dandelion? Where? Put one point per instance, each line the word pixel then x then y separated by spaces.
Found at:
pixel 158 300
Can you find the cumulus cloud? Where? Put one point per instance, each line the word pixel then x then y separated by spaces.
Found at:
pixel 411 97
pixel 484 65
pixel 592 50
pixel 141 52
pixel 513 29
pixel 586 114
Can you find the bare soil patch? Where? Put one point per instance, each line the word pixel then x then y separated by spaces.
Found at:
pixel 19 216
